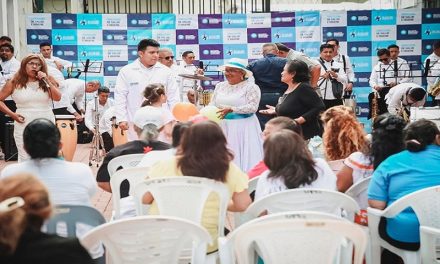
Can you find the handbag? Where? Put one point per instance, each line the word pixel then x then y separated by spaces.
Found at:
pixel 349 100
pixel 337 88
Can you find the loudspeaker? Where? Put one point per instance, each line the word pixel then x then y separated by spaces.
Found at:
pixel 10 150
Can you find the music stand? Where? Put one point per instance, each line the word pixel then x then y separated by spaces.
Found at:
pixel 87 67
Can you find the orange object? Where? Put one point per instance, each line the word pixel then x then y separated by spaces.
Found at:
pixel 184 111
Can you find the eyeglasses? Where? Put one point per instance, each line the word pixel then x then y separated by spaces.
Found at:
pixel 167 58
pixel 232 70
pixel 191 57
pixel 34 64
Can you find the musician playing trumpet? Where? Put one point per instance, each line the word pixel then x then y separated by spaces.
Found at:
pixel 404 96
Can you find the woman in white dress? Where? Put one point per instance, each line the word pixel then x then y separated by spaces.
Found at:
pixel 238 100
pixel 32 89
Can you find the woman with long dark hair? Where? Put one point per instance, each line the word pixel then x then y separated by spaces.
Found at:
pixel 203 153
pixel 291 166
pixel 32 89
pixel 21 239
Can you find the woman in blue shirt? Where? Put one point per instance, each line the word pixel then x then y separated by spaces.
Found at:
pixel 402 174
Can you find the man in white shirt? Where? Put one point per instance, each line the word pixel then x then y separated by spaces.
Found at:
pixel 434 71
pixel 8 67
pixel 330 71
pixel 402 65
pixel 404 96
pixel 186 66
pixel 291 54
pixel 134 77
pixel 103 104
pixel 344 60
pixel 74 93
pixel 384 74
pixel 53 61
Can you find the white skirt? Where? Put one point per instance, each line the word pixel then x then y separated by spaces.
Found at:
pixel 244 140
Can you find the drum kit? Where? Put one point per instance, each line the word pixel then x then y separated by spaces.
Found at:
pixel 202 97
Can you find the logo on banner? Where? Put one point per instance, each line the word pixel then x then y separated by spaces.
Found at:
pixel 307 18
pixel 311 49
pixel 64 21
pixel 64 37
pixel 214 52
pixel 410 17
pixel 115 53
pixel 135 21
pixel 165 36
pixel 235 51
pixel 283 34
pixel 89 21
pixel 431 31
pixel 334 19
pixel 114 37
pixel 234 21
pixel 408 32
pixel 283 19
pixel 361 33
pixel 66 52
pixel 361 64
pixel 307 33
pixel 39 21
pixel 89 37
pixel 36 36
pixel 384 17
pixel 359 49
pixel 136 35
pixel 164 21
pixel 210 36
pixel 113 21
pixel 410 47
pixel 254 50
pixel 210 21
pixel 235 36
pixel 359 18
pixel 132 53
pixel 384 32
pixel 377 45
pixel 256 20
pixel 187 36
pixel 90 52
pixel 430 16
pixel 258 35
pixel 362 79
pixel 112 68
pixel 339 33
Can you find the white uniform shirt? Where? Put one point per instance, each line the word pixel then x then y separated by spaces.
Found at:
pixel 90 115
pixel 325 85
pixel 397 97
pixel 186 84
pixel 383 74
pixel 9 68
pixel 348 67
pixel 51 62
pixel 74 94
pixel 434 71
pixel 130 85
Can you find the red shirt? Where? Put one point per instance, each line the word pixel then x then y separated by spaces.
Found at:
pixel 257 170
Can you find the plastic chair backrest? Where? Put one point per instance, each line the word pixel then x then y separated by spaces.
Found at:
pixel 124 161
pixel 358 192
pixel 428 244
pixel 305 199
pixel 184 196
pixel 66 219
pixel 425 203
pixel 241 217
pixel 133 175
pixel 292 241
pixel 149 239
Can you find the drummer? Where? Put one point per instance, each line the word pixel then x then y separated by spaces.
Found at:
pixel 104 103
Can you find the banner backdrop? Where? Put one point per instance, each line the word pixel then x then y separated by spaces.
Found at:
pixel 110 40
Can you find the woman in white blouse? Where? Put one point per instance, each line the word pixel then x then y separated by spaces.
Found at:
pixel 238 100
pixel 291 166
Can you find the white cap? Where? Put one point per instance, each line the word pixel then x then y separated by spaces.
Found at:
pixel 149 115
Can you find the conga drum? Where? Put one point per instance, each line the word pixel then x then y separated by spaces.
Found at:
pixel 69 134
pixel 119 135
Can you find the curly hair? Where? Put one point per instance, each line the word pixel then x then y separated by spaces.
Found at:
pixel 343 134
pixel 203 152
pixel 287 157
pixel 32 214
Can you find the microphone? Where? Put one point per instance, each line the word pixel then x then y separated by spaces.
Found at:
pixel 86 66
pixel 427 63
pixel 384 79
pixel 1 70
pixel 201 65
pixel 396 73
pixel 45 82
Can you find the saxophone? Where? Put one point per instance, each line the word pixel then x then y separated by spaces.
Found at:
pixel 374 106
pixel 403 113
pixel 435 88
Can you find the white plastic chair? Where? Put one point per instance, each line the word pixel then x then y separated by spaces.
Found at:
pixel 305 199
pixel 426 205
pixel 358 192
pixel 239 217
pixel 124 161
pixel 183 196
pixel 149 239
pixel 133 175
pixel 428 244
pixel 291 241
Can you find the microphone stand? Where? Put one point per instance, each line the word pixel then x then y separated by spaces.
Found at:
pixel 96 154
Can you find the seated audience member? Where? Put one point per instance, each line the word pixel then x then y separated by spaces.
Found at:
pixel 274 125
pixel 214 161
pixel 67 182
pixel 291 166
pixel 21 239
pixel 343 134
pixel 150 158
pixel 387 139
pixel 147 127
pixel 403 173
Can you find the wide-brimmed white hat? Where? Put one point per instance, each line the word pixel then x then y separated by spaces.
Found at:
pixel 237 63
